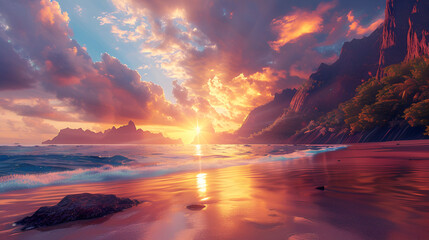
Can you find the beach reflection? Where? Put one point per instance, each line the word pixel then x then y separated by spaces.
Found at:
pixel 201 177
pixel 202 186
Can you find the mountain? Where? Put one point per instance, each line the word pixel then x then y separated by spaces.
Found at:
pixel 401 38
pixel 263 116
pixel 127 134
pixel 327 88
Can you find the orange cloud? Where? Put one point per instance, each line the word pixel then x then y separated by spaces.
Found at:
pixel 355 26
pixel 289 28
pixel 234 99
pixel 51 10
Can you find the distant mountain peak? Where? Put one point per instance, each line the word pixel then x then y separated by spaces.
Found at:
pixel 131 124
pixel 122 135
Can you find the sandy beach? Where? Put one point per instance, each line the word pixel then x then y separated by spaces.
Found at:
pixel 372 191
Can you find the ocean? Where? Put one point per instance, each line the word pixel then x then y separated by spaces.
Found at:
pixel 23 167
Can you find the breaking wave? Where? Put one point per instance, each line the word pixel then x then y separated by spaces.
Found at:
pixel 43 170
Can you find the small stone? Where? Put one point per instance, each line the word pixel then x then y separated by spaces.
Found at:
pixel 195 207
pixel 321 188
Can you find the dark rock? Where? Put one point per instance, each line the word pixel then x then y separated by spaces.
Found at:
pixel 321 188
pixel 195 207
pixel 76 207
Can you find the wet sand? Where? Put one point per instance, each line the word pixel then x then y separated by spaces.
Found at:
pixel 372 191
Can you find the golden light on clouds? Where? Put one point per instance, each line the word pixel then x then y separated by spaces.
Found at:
pixel 289 28
pixel 234 98
pixel 50 11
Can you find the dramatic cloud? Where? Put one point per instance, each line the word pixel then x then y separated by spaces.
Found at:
pixel 221 58
pixel 106 91
pixel 15 72
pixel 289 28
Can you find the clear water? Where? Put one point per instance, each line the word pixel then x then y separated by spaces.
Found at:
pixel 36 166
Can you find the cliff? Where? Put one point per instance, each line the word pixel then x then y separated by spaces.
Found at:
pixel 395 29
pixel 333 84
pixel 418 33
pixel 402 37
pixel 127 134
pixel 326 89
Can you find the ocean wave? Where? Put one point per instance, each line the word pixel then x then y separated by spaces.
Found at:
pixel 109 171
pixel 44 163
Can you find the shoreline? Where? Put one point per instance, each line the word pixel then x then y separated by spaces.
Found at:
pixel 372 190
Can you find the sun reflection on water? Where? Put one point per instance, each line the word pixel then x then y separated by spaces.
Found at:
pixel 202 186
pixel 201 177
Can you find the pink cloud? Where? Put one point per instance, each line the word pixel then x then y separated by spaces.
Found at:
pixel 105 91
pixel 39 108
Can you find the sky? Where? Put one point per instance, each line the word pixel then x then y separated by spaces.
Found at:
pixel 166 65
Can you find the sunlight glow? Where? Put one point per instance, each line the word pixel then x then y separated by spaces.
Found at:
pixel 198 130
pixel 202 186
pixel 201 182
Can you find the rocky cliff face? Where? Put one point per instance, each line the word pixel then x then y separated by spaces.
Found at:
pixel 326 88
pixel 418 33
pixel 333 84
pixel 394 45
pixel 405 32
pixel 403 36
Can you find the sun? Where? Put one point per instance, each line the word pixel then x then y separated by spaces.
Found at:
pixel 198 130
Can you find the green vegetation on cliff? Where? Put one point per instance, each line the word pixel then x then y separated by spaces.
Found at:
pixel 402 95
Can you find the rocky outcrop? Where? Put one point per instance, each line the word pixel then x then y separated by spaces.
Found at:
pixel 394 46
pixel 263 116
pixel 418 33
pixel 77 207
pixel 123 135
pixel 405 32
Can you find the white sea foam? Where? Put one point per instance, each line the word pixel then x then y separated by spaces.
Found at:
pixel 141 170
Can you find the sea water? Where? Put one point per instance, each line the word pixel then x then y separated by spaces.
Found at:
pixel 24 167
